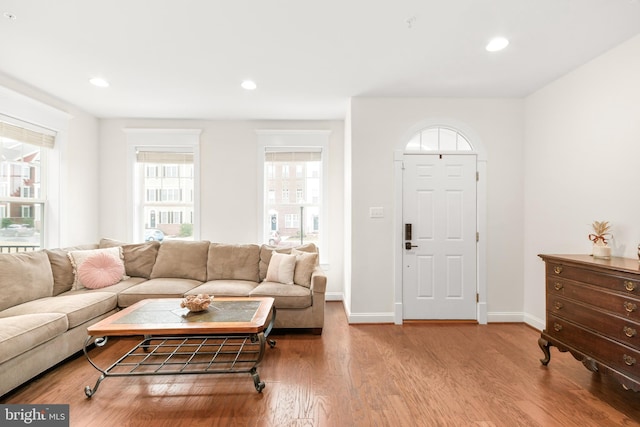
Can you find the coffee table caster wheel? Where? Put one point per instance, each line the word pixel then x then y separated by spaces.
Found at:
pixel 260 386
pixel 88 391
pixel 272 343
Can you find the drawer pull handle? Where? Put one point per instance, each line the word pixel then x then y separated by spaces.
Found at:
pixel 557 327
pixel 557 269
pixel 630 307
pixel 630 286
pixel 558 305
pixel 628 360
pixel 558 286
pixel 630 332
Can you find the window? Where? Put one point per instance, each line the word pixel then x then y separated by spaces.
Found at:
pixel 300 216
pixel 438 139
pixel 164 182
pixel 165 205
pixel 151 171
pixel 291 221
pixel 297 214
pixel 23 153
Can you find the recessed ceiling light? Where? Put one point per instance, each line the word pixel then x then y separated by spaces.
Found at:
pixel 249 85
pixel 497 44
pixel 98 81
pixel 10 15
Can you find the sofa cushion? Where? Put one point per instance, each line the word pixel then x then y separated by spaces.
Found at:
pixel 305 264
pixel 79 307
pixel 115 289
pixel 62 268
pixel 100 270
pixel 267 250
pixel 182 259
pixel 24 277
pixel 19 334
pixel 156 288
pixel 281 268
pixel 233 262
pixel 228 288
pixel 139 258
pixel 79 257
pixel 286 296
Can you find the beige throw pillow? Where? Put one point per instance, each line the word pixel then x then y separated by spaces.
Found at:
pixel 267 250
pixel 281 268
pixel 305 264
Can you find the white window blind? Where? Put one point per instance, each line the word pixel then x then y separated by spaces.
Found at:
pixel 164 157
pixel 28 133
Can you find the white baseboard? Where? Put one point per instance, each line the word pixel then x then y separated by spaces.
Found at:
pixel 370 318
pixel 495 317
pixel 505 317
pixel 534 322
pixel 334 296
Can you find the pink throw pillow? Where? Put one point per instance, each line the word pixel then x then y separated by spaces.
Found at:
pixel 100 270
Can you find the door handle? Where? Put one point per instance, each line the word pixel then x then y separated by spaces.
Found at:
pixel 408 246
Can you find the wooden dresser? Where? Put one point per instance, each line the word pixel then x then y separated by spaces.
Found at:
pixel 593 311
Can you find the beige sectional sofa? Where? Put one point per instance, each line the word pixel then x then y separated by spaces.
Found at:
pixel 44 310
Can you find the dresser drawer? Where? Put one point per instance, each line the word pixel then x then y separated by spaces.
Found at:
pixel 628 284
pixel 615 355
pixel 618 329
pixel 622 305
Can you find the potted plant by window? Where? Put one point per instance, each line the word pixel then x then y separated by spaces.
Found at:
pixel 599 238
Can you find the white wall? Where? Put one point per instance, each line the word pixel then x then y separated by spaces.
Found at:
pixel 582 163
pixel 379 126
pixel 229 181
pixel 74 213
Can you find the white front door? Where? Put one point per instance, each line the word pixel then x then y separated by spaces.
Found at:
pixel 439 258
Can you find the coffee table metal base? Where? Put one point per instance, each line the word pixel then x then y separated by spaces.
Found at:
pixel 182 355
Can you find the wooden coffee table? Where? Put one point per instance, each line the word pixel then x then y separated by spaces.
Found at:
pixel 228 337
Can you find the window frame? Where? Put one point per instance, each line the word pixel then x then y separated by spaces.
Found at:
pixel 284 140
pixel 29 111
pixel 160 140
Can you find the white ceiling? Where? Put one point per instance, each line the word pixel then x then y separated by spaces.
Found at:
pixel 186 59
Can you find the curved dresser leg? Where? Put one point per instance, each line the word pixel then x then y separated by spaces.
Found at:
pixel 544 346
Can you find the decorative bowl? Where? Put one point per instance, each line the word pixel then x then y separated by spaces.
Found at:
pixel 196 303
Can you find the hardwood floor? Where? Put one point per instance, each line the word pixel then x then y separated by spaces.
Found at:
pixel 419 374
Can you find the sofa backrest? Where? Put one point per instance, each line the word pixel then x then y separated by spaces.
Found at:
pixel 182 259
pixel 139 258
pixel 24 276
pixel 233 262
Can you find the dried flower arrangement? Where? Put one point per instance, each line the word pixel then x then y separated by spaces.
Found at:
pixel 600 232
pixel 599 238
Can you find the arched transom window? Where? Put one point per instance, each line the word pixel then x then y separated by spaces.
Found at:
pixel 438 138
